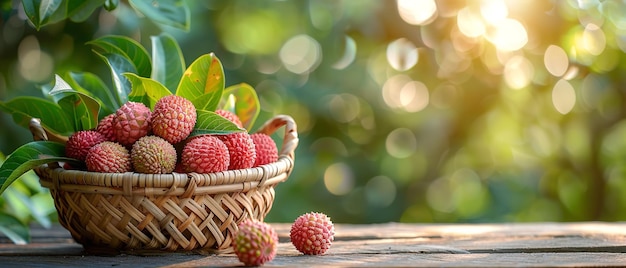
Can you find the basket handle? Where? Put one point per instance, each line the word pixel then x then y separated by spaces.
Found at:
pixel 290 139
pixel 41 134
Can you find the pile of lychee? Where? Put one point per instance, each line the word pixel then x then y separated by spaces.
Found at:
pixel 256 242
pixel 137 139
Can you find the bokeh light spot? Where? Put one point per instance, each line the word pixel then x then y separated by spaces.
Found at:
pixel 470 24
pixel 563 96
pixel 518 72
pixel 401 143
pixel 301 54
pixel 339 179
pixel 493 11
pixel 380 191
pixel 417 12
pixel 556 61
pixel 593 39
pixel 344 107
pixel 349 54
pixel 34 64
pixel 402 54
pixel 508 35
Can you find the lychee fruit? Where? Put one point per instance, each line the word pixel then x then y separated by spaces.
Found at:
pixel 255 242
pixel 205 154
pixel 108 157
pixel 173 118
pixel 230 116
pixel 106 127
pixel 312 233
pixel 79 143
pixel 153 155
pixel 132 121
pixel 265 147
pixel 241 149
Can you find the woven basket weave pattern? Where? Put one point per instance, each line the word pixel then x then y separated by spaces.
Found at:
pixel 170 212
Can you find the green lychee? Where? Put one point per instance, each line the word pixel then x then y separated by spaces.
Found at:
pixel 153 155
pixel 255 242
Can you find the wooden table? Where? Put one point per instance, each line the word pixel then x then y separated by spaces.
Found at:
pixel 392 244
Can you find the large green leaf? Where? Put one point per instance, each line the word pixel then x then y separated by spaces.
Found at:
pixel 146 90
pixel 42 12
pixel 127 48
pixel 168 63
pixel 119 65
pixel 173 13
pixel 246 104
pixel 203 82
pixel 14 229
pixel 81 108
pixel 25 108
pixel 92 85
pixel 80 10
pixel 208 122
pixel 29 156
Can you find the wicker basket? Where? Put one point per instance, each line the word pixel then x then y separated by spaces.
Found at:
pixel 132 212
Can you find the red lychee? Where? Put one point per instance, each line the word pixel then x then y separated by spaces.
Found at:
pixel 205 154
pixel 230 116
pixel 241 149
pixel 132 121
pixel 80 142
pixel 108 157
pixel 106 127
pixel 312 233
pixel 173 118
pixel 265 147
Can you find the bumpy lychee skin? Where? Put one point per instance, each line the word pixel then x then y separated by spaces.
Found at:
pixel 230 116
pixel 241 149
pixel 108 157
pixel 312 233
pixel 265 147
pixel 106 127
pixel 153 155
pixel 173 118
pixel 80 142
pixel 205 154
pixel 255 242
pixel 132 121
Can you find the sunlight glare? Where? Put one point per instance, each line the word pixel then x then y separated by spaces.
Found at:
pixel 301 54
pixel 518 72
pixel 508 35
pixel 470 24
pixel 593 39
pixel 494 11
pixel 339 179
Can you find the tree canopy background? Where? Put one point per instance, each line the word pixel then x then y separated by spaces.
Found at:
pixel 412 111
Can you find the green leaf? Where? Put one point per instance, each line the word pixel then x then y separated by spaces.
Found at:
pixel 203 82
pixel 92 85
pixel 25 108
pixel 119 65
pixel 29 156
pixel 80 10
pixel 146 90
pixel 168 63
pixel 80 107
pixel 42 12
pixel 208 122
pixel 246 104
pixel 127 48
pixel 173 13
pixel 14 229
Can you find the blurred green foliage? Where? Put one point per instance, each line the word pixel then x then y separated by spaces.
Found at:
pixel 413 111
